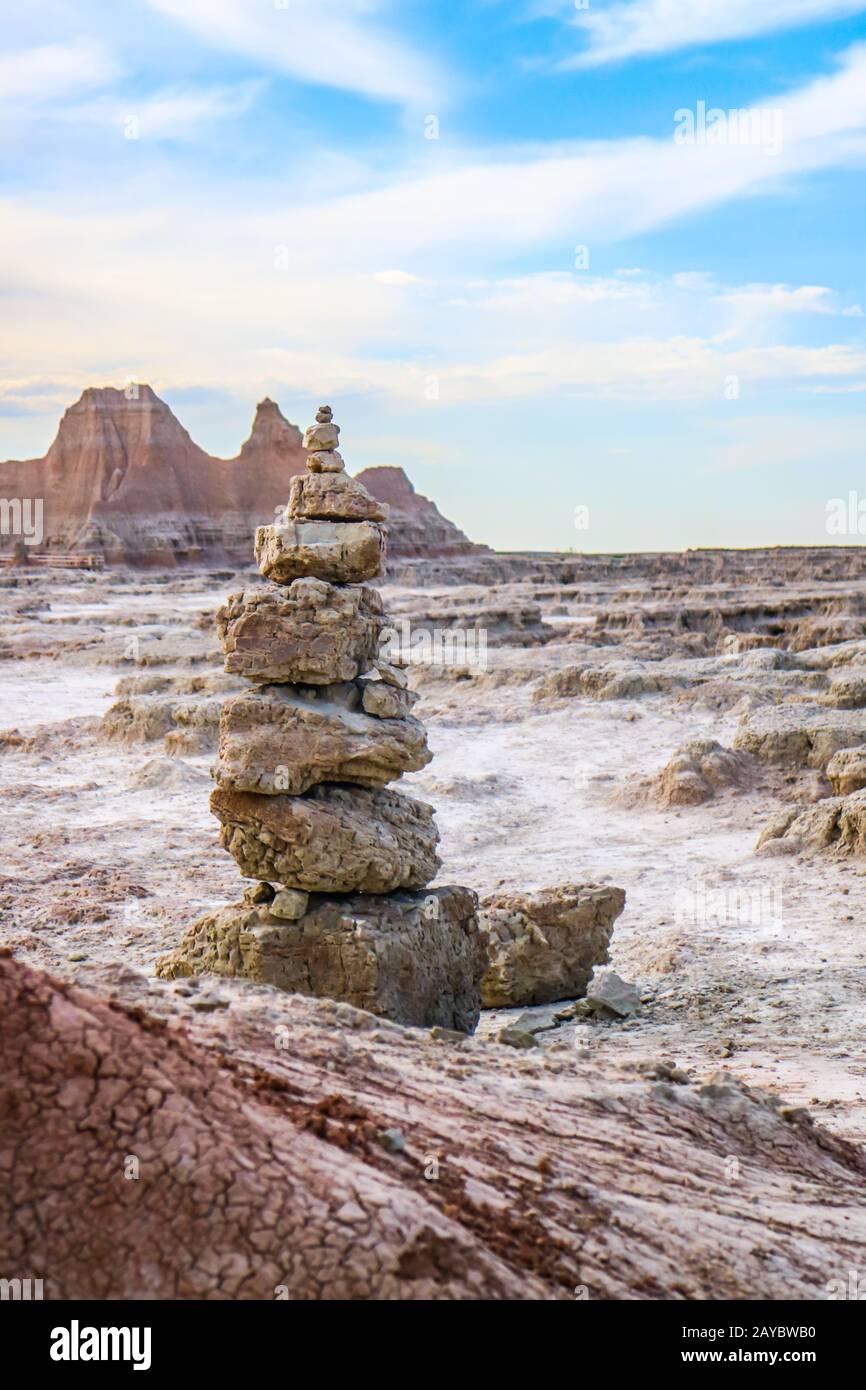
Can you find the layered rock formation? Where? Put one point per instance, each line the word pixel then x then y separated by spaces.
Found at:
pixel 124 481
pixel 835 823
pixel 305 762
pixel 418 528
pixel 800 735
pixel 846 771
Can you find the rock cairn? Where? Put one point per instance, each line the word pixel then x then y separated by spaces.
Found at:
pixel 339 906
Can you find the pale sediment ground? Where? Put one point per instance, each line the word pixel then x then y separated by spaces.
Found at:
pixel 748 964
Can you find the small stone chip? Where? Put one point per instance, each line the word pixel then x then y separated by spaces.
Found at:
pixel 290 904
pixel 393 1140
pixel 258 893
pixel 447 1035
pixel 515 1037
pixel 391 673
pixel 613 995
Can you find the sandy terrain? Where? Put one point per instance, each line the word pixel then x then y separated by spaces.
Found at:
pixel 746 963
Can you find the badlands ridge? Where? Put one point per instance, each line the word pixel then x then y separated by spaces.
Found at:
pixel 652 774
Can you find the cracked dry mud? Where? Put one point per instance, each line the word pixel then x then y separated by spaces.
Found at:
pixel 359 1163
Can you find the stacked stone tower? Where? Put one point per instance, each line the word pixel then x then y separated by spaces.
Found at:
pixel 340 861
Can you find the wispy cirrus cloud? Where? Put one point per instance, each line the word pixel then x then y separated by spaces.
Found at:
pixel 639 28
pixel 173 113
pixel 490 204
pixel 51 72
pixel 786 299
pixel 333 43
pixel 373 291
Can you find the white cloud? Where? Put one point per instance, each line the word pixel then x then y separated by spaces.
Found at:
pixel 396 277
pixel 636 27
pixel 759 300
pixel 334 43
pixel 597 191
pixel 699 280
pixel 174 113
pixel 552 290
pixel 781 299
pixel 53 71
pixel 190 286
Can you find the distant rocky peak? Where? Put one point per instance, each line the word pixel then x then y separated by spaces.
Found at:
pixel 417 527
pixel 118 401
pixel 390 484
pixel 272 431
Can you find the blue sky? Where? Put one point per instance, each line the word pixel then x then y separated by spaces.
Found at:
pixel 493 233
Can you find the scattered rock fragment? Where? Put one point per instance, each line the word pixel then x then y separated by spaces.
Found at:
pixel 544 946
pixel 608 993
pixel 836 823
pixel 516 1037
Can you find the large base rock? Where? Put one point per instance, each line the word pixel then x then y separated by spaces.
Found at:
pixel 307 633
pixel 282 738
pixel 341 552
pixel 333 840
pixel 544 946
pixel 416 958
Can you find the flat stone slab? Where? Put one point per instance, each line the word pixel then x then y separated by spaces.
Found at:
pixel 282 738
pixel 332 497
pixel 415 958
pixel 341 552
pixel 308 632
pixel 333 840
